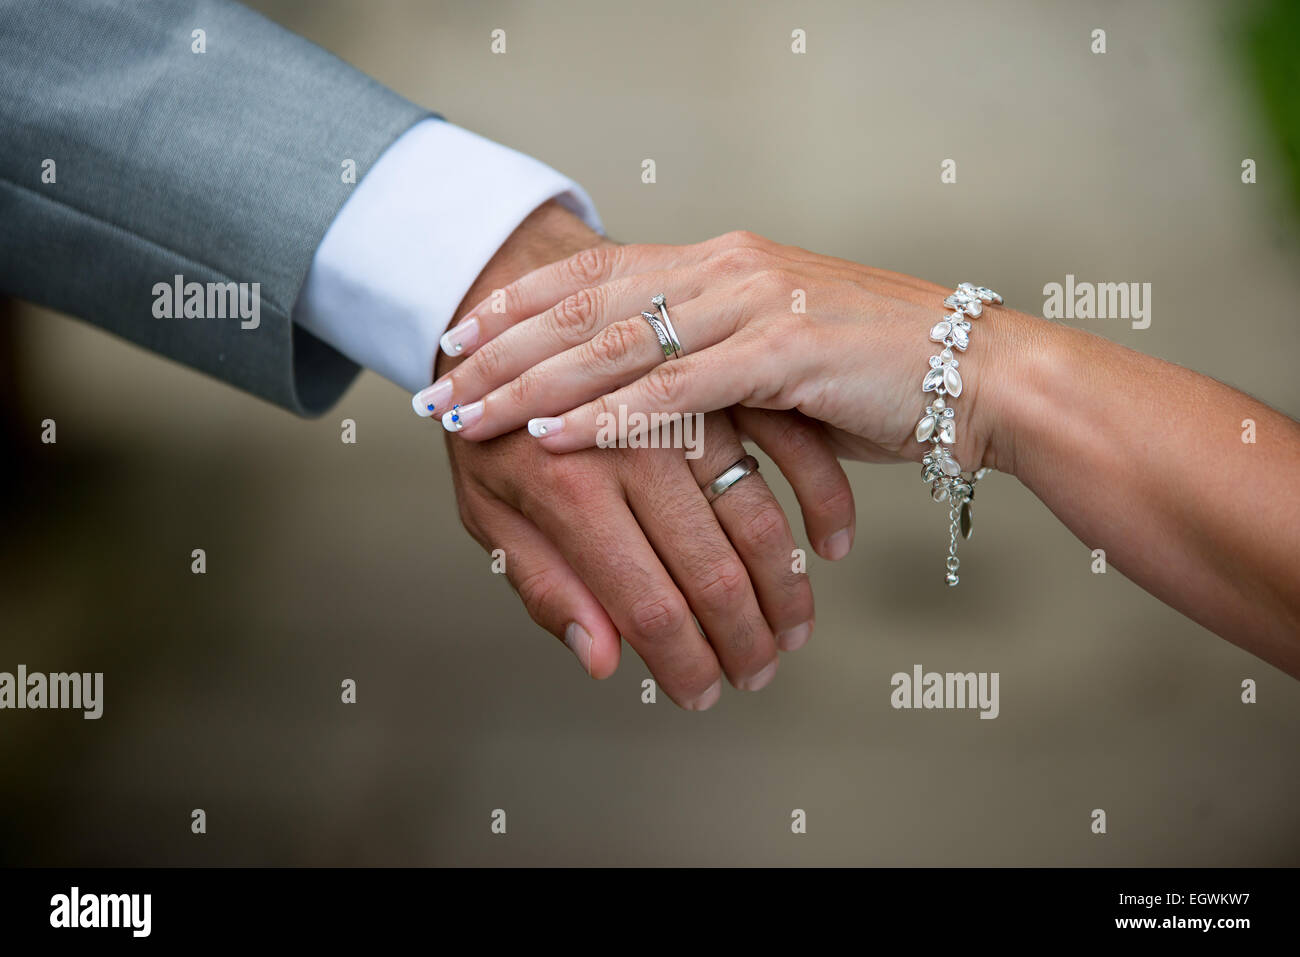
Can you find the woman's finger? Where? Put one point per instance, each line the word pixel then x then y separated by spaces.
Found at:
pixel 618 354
pixel 560 305
pixel 527 296
pixel 740 371
pixel 542 288
pixel 569 323
pixel 799 448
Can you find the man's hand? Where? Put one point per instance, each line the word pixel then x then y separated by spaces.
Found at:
pixel 606 542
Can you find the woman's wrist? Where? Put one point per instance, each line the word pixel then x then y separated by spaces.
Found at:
pixel 1012 383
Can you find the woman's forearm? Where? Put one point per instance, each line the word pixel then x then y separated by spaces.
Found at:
pixel 1147 460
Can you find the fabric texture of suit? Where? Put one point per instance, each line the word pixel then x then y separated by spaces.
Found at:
pixel 221 166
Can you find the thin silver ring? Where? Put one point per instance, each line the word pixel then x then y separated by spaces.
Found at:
pixel 661 333
pixel 746 466
pixel 662 306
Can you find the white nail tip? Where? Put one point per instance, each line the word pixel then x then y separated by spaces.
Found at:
pixel 450 424
pixel 421 405
pixel 454 341
pixel 540 427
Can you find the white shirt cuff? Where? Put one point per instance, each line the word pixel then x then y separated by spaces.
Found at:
pixel 412 238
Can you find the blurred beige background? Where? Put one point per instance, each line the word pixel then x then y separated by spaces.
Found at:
pixel 328 561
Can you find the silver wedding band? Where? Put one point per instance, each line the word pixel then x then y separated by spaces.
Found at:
pixel 663 327
pixel 661 333
pixel 730 477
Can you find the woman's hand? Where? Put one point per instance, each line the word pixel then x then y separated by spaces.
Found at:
pixel 762 325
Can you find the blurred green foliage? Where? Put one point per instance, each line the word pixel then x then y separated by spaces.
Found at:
pixel 1271 31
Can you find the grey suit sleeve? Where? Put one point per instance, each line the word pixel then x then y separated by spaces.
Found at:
pixel 221 166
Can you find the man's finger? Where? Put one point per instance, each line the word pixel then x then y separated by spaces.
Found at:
pixel 583 512
pixel 666 499
pixel 798 447
pixel 551 590
pixel 756 525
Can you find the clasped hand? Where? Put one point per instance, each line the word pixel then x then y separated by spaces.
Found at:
pixel 621 543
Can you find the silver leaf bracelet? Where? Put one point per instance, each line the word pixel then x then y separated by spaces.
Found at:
pixel 938 426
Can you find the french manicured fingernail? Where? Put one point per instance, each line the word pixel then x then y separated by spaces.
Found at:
pixel 707 700
pixel 539 427
pixel 838 545
pixel 792 639
pixel 459 338
pixel 580 643
pixel 459 416
pixel 761 680
pixel 429 401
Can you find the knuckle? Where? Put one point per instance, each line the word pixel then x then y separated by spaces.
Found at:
pixel 520 389
pixel 538 590
pixel 767 283
pixel 485 365
pixel 765 527
pixel 799 441
pixel 835 500
pixel 658 618
pixel 723 587
pixel 795 605
pixel 577 481
pixel 575 315
pixel 613 344
pixel 590 265
pixel 740 260
pixel 775 278
pixel 742 238
pixel 508 300
pixel 666 384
